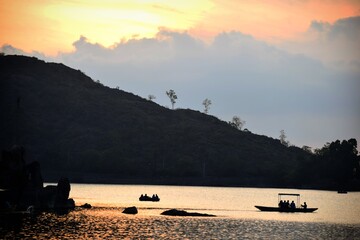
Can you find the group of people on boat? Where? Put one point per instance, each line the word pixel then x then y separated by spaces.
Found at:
pixel 292 205
pixel 145 197
pixel 287 204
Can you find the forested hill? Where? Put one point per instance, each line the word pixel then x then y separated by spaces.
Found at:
pixel 77 127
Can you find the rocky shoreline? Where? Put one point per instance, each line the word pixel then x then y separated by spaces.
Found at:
pixel 22 186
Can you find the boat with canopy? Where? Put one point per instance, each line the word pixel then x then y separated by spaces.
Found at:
pixel 298 208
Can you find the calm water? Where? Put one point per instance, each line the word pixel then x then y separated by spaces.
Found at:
pixel 338 216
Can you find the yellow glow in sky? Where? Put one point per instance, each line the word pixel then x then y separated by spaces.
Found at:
pixel 51 26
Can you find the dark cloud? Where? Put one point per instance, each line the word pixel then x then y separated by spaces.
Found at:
pixel 319 26
pixel 10 50
pixel 336 45
pixel 347 28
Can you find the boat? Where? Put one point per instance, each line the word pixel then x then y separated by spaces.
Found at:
pixel 342 192
pixel 145 197
pixel 288 208
pixel 278 209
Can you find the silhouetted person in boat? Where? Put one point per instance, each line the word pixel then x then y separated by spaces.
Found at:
pixel 281 204
pixel 292 205
pixel 304 205
pixel 155 197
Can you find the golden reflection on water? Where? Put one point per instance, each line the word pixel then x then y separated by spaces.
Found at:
pixel 234 207
pixel 110 223
pixel 223 201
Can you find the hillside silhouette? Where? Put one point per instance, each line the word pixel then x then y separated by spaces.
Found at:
pixel 75 126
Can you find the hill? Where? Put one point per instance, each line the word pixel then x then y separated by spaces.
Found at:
pixel 75 126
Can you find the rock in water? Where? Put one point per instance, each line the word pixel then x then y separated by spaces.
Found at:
pixel 130 210
pixel 175 212
pixel 86 205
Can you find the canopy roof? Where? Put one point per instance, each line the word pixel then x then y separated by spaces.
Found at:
pixel 289 194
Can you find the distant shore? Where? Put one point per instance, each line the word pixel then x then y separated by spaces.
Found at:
pixel 93 178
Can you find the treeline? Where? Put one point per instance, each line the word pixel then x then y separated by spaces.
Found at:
pixel 337 164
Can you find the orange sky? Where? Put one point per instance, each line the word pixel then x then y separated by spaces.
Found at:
pixel 51 26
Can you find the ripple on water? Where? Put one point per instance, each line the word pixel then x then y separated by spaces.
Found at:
pixel 110 223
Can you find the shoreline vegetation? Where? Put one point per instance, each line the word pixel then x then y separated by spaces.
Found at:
pixel 89 178
pixel 75 127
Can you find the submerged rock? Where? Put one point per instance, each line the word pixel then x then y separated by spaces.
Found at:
pixel 130 210
pixel 175 212
pixel 86 205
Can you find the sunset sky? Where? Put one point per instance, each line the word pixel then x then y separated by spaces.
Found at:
pixel 281 64
pixel 53 25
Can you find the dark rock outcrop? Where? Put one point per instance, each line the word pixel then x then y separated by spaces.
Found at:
pixel 175 212
pixel 22 185
pixel 12 172
pixel 56 197
pixel 33 172
pixel 130 210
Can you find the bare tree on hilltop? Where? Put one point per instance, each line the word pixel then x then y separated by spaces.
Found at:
pixel 151 97
pixel 206 103
pixel 172 95
pixel 282 138
pixel 237 122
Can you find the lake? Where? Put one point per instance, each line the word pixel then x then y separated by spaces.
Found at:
pixel 236 216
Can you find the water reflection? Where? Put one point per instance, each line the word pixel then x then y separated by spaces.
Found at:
pixel 227 202
pixel 236 216
pixel 110 223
